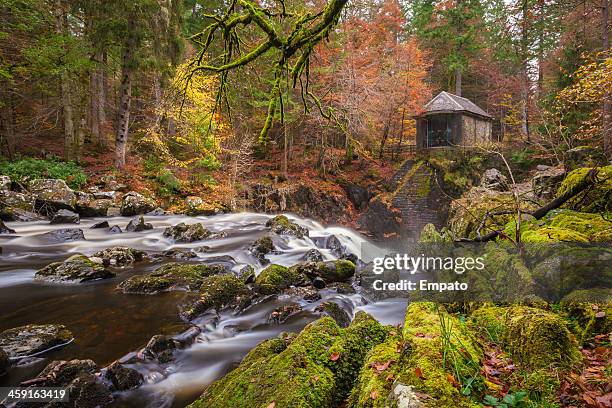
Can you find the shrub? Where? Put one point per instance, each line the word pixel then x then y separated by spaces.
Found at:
pixel 32 168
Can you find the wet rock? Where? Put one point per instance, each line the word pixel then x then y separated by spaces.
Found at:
pixel 64 235
pixel 247 274
pixel 344 288
pixel 276 278
pixel 123 378
pixel 52 195
pixel 65 217
pixel 77 268
pixel 545 182
pixel 261 247
pixel 171 276
pixel 282 226
pixel 5 363
pixel 115 229
pixel 16 206
pixel 4 229
pixel 318 283
pixel 161 348
pixel 494 179
pixel 218 292
pixel 381 219
pixel 180 253
pixel 312 255
pixel 85 389
pixel 134 203
pixel 334 311
pixel 120 256
pixel 157 212
pixel 105 195
pixel 187 233
pixel 138 224
pixel 358 195
pixel 89 206
pixel 113 212
pixel 333 271
pixel 99 225
pixel 282 313
pixel 27 340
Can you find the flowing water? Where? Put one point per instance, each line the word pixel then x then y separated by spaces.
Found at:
pixel 108 324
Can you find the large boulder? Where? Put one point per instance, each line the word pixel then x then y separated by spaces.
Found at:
pixel 282 226
pixel 123 378
pixel 5 183
pixel 64 235
pixel 494 179
pixel 138 224
pixel 77 268
pixel 52 195
pixel 90 205
pixel 381 219
pixel 359 196
pixel 333 271
pixel 27 340
pixel 119 256
pixel 172 276
pixel 64 216
pixel 261 247
pixel 85 388
pixel 597 198
pixel 15 206
pixel 313 369
pixel 584 156
pixel 218 292
pixel 276 278
pixel 534 337
pixel 546 181
pixel 134 203
pixel 187 233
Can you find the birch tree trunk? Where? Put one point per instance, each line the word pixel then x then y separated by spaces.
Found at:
pixel 125 96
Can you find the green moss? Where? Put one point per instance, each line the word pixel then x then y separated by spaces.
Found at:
pixel 171 276
pixel 430 234
pixel 312 370
pixel 597 198
pixel 276 278
pixel 344 269
pixel 588 312
pixel 552 234
pixel 221 290
pixel 281 225
pixel 534 337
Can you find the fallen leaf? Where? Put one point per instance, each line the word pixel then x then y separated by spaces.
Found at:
pixel 600 315
pixel 272 404
pixel 374 394
pixel 380 367
pixel 418 372
pixel 334 356
pixel 390 377
pixel 451 379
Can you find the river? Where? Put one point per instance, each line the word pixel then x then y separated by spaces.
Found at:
pixel 108 324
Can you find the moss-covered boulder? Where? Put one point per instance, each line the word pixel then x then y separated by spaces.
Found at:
pixel 217 292
pixel 282 226
pixel 340 270
pixel 563 226
pixel 187 233
pixel 534 337
pixel 77 268
pixel 588 312
pixel 34 338
pixel 171 276
pixel 276 278
pixel 596 199
pixel 120 256
pixel 315 369
pixel 334 311
pixel 425 356
pixel 261 247
pixel 468 212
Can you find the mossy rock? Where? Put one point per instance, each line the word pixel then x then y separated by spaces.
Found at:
pixel 276 278
pixel 217 292
pixel 588 312
pixel 340 270
pixel 597 199
pixel 431 235
pixel 315 369
pixel 77 268
pixel 171 276
pixel 34 338
pixel 187 233
pixel 563 226
pixel 534 337
pixel 334 311
pixel 281 225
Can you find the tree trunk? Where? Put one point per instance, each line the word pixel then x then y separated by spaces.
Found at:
pixel 7 123
pixel 458 81
pixel 607 109
pixel 66 98
pixel 125 96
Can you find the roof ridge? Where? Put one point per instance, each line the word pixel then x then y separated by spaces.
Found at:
pixel 452 98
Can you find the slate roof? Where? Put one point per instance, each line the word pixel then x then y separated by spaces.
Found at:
pixel 445 102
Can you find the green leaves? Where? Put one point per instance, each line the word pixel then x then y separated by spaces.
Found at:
pixel 515 400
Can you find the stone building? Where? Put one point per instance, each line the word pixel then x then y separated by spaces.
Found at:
pixel 451 120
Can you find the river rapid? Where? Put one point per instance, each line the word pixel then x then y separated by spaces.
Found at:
pixel 109 325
